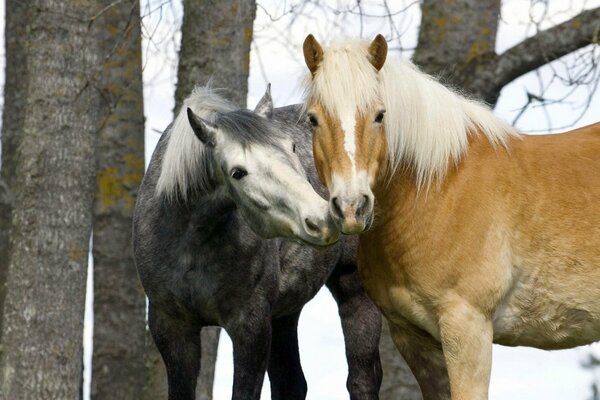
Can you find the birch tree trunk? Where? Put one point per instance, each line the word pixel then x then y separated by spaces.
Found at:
pixel 53 190
pixel 119 300
pixel 215 44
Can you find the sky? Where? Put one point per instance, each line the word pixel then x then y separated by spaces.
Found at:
pixel 517 373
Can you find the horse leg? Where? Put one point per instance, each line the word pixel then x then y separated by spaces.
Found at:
pixel 361 324
pixel 424 356
pixel 179 346
pixel 466 335
pixel 285 371
pixel 251 339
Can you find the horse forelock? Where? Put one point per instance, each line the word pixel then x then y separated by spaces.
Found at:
pixel 345 79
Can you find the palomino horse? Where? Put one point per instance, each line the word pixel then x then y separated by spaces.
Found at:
pixel 480 235
pixel 220 182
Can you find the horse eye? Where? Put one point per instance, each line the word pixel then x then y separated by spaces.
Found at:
pixel 238 173
pixel 313 120
pixel 379 117
pixel 294 147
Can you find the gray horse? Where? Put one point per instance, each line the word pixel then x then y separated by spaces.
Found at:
pixel 223 186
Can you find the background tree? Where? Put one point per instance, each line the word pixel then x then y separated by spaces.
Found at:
pixel 119 301
pixel 12 121
pixel 592 364
pixel 457 41
pixel 53 190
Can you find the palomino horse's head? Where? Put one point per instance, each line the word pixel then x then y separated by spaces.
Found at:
pixel 258 167
pixel 347 116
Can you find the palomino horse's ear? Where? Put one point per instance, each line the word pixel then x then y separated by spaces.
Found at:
pixel 313 53
pixel 378 51
pixel 204 130
pixel 264 108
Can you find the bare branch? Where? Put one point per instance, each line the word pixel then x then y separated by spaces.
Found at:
pixel 548 45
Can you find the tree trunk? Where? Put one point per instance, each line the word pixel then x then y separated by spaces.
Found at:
pixel 215 44
pixel 42 330
pixel 119 301
pixel 398 381
pixel 155 379
pixel 456 40
pixel 12 125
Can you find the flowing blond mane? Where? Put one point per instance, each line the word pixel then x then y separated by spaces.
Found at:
pixel 427 124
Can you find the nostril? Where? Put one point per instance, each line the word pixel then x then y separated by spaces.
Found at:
pixel 336 207
pixel 311 225
pixel 363 205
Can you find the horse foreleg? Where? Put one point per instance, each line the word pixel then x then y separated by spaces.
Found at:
pixel 251 338
pixel 361 324
pixel 424 356
pixel 285 371
pixel 466 335
pixel 179 346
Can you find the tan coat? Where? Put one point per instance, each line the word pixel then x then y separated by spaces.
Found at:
pixel 508 245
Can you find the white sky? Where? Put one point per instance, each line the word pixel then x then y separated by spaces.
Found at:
pixel 518 373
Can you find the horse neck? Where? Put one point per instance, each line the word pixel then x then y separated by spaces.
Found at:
pixel 393 193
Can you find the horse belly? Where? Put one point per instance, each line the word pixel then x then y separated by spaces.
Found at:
pixel 548 314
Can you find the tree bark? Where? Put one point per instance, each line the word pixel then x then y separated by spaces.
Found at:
pixel 544 47
pixel 53 196
pixel 457 42
pixel 215 45
pixel 456 39
pixel 12 123
pixel 398 381
pixel 119 301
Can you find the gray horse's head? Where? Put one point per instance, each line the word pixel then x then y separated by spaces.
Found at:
pixel 256 162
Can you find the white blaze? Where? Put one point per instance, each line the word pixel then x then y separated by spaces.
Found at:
pixel 348 124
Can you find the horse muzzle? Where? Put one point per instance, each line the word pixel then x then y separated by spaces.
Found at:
pixel 352 215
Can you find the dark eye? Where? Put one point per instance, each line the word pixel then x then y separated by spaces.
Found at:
pixel 294 147
pixel 379 116
pixel 238 173
pixel 313 120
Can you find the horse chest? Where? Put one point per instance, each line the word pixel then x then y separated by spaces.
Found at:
pixel 302 272
pixel 388 283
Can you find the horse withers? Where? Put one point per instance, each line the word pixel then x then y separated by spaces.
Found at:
pixel 470 232
pixel 221 181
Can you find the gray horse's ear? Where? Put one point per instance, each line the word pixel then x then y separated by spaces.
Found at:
pixel 264 107
pixel 204 130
